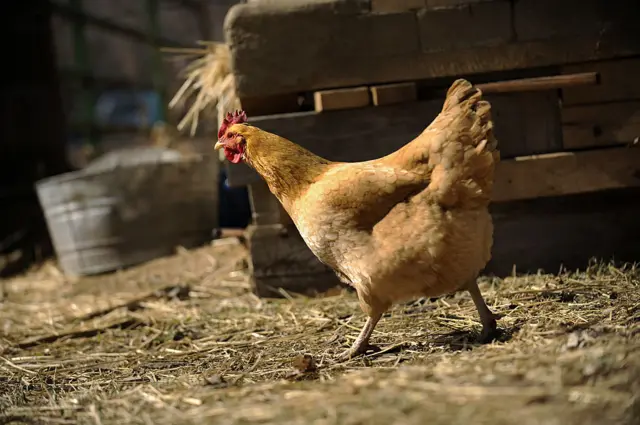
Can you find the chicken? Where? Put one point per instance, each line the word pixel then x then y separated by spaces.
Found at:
pixel 412 224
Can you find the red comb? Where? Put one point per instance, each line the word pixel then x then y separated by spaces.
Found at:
pixel 238 117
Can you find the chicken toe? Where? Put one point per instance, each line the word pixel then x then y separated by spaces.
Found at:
pixel 487 317
pixel 361 344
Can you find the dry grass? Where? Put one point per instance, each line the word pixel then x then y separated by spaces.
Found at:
pixel 182 340
pixel 209 83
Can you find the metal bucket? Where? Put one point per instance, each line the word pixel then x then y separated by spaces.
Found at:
pixel 130 208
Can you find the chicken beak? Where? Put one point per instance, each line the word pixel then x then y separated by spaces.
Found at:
pixel 218 145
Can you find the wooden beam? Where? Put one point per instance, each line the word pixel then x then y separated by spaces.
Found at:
pixel 566 173
pixel 330 100
pixel 540 83
pixel 389 94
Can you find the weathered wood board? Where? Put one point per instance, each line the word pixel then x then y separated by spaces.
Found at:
pixel 547 233
pixel 481 37
pixel 619 81
pixel 537 234
pixel 566 173
pixel 525 123
pixel 389 94
pixel 336 99
pixel 283 260
pixel 604 124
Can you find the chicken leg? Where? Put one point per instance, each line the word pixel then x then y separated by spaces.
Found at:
pixel 487 317
pixel 361 343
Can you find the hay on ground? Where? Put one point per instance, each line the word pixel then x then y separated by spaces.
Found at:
pixel 182 340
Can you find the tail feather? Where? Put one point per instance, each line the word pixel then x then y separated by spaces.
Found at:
pixel 466 100
pixel 463 172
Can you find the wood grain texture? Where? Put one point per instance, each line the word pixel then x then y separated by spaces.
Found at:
pixel 389 94
pixel 274 253
pixel 565 231
pixel 540 83
pixel 599 125
pixel 619 80
pixel 360 50
pixel 566 173
pixel 331 100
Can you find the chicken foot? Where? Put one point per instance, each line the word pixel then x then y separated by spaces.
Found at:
pixel 487 317
pixel 361 344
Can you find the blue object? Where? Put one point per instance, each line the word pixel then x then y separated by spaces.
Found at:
pixel 235 209
pixel 126 108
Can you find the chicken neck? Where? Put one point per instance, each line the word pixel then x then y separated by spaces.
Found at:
pixel 287 168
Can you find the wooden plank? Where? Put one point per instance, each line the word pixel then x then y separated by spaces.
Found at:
pixel 274 253
pixel 269 105
pixel 566 231
pixel 390 6
pixel 389 94
pixel 365 53
pixel 540 83
pixel 526 123
pixel 600 124
pixel 566 173
pixel 618 81
pixel 330 100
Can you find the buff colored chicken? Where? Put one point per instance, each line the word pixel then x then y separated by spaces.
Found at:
pixel 412 224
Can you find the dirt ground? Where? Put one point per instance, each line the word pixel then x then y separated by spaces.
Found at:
pixel 182 340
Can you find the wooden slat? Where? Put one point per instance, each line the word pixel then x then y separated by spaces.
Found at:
pixel 618 81
pixel 329 100
pixel 567 173
pixel 276 254
pixel 540 83
pixel 565 231
pixel 600 124
pixel 526 123
pixel 390 94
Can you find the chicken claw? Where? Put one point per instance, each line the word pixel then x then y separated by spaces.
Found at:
pixel 487 317
pixel 361 344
